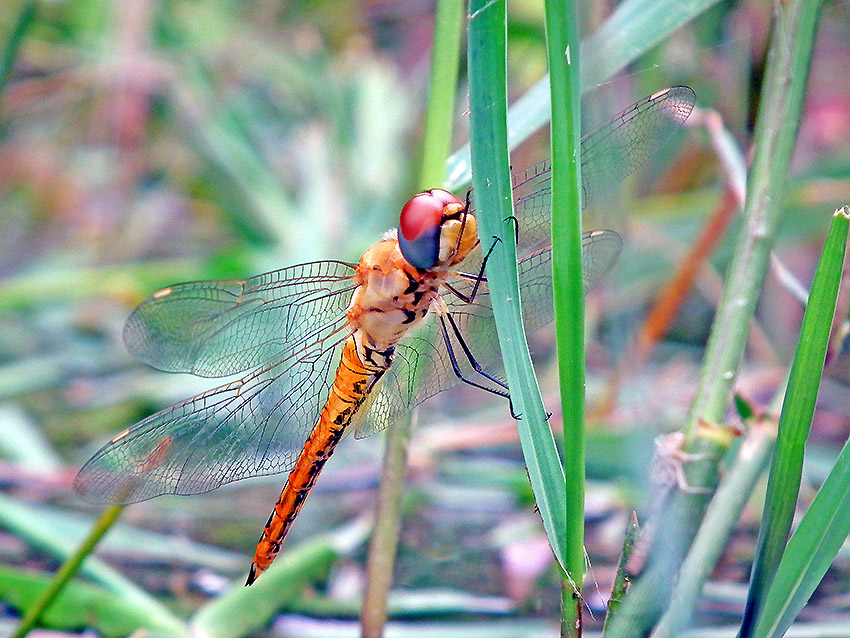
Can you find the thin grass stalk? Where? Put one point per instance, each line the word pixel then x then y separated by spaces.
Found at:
pixel 160 616
pixel 50 536
pixel 720 518
pixel 448 33
pixel 442 91
pixel 623 577
pixel 383 544
pixel 25 20
pixel 494 207
pixel 775 135
pixel 562 45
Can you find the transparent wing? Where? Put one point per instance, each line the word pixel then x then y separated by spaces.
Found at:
pixel 609 154
pixel 422 367
pixel 290 322
pixel 614 150
pixel 218 328
pixel 251 427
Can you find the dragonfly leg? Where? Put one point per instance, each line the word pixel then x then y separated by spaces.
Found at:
pixel 516 227
pixel 475 365
pixel 479 278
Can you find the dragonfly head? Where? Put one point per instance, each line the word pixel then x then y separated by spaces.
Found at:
pixel 436 230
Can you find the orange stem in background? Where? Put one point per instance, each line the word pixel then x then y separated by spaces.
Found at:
pixel 667 306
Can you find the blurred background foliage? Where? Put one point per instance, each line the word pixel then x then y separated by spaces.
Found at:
pixel 144 143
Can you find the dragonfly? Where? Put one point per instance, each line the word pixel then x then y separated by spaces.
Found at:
pixel 329 347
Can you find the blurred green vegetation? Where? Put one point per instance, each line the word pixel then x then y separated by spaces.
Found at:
pixel 144 143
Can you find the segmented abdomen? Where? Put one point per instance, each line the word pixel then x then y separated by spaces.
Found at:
pixel 350 388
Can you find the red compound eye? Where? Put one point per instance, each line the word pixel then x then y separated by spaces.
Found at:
pixel 420 225
pixel 424 212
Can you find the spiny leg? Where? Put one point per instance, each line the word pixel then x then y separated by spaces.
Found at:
pixel 479 278
pixel 475 365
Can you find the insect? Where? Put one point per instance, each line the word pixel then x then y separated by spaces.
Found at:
pixel 327 347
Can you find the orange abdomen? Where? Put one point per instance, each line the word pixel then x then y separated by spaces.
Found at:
pixel 350 388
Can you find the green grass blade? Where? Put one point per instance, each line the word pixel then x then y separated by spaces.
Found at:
pixel 23 443
pixel 10 52
pixel 632 30
pixel 810 552
pixel 562 36
pixel 794 422
pixel 82 606
pixel 242 610
pixel 623 576
pixel 488 107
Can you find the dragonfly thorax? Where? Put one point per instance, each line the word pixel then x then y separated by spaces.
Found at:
pixel 392 296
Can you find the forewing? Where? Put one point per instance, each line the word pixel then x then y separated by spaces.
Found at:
pixel 218 328
pixel 599 252
pixel 422 366
pixel 609 154
pixel 614 150
pixel 251 427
